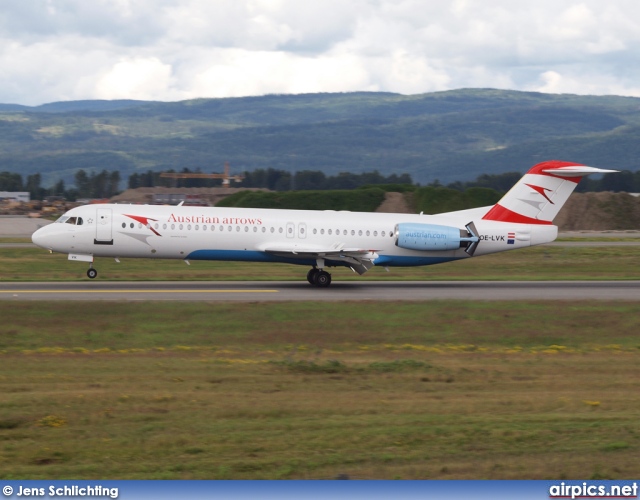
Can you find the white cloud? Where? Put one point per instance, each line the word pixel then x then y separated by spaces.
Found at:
pixel 237 72
pixel 176 49
pixel 138 78
pixel 570 83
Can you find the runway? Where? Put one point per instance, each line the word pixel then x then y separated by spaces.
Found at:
pixel 270 291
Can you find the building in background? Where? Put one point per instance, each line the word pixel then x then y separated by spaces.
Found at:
pixel 22 196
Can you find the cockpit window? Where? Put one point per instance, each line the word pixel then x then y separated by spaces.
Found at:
pixel 71 220
pixel 62 219
pixel 79 221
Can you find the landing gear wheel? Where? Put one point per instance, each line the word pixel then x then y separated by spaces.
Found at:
pixel 312 275
pixel 92 273
pixel 323 279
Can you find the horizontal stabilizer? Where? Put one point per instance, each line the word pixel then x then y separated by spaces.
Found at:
pixel 577 171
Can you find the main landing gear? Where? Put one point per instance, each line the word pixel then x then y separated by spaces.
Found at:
pixel 319 277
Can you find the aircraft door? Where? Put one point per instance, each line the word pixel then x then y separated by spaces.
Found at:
pixel 291 229
pixel 103 227
pixel 302 230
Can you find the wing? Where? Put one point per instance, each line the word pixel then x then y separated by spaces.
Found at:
pixel 358 259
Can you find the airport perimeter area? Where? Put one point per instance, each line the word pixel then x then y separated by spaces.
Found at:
pixel 123 388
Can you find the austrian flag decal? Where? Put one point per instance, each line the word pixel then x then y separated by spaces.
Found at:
pixel 511 238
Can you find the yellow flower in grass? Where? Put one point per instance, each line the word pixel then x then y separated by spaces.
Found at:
pixel 182 348
pixel 52 421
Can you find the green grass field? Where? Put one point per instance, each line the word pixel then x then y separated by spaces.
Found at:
pixel 538 263
pixel 448 389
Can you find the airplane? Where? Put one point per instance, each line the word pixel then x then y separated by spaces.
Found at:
pixel 318 239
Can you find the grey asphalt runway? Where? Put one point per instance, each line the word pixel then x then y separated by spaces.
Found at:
pixel 263 291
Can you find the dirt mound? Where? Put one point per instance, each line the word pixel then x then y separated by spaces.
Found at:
pixel 394 203
pixel 599 212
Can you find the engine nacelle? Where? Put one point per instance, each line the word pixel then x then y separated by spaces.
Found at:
pixel 433 237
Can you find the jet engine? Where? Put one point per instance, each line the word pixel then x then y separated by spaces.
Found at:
pixel 433 237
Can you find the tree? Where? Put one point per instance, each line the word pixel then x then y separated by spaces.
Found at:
pixel 33 186
pixel 58 189
pixel 82 184
pixel 134 181
pixel 10 181
pixel 114 184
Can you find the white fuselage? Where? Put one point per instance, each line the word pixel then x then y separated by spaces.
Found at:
pixel 248 234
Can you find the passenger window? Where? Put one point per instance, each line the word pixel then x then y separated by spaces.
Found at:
pixel 321 231
pixel 360 232
pixel 368 233
pixel 329 231
pixel 255 229
pixel 189 227
pixel 280 230
pixel 197 227
pixel 353 233
pixel 315 231
pixel 124 225
pixel 173 226
pixel 273 229
pixel 246 229
pixel 382 234
pixel 264 229
pixel 375 233
pixel 164 226
pixel 344 232
pixel 238 229
pixel 180 227
pixel 131 225
pixel 204 228
pixel 230 228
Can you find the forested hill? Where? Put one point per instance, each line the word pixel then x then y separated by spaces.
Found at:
pixel 450 136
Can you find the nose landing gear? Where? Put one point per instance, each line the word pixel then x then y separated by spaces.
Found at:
pixel 92 273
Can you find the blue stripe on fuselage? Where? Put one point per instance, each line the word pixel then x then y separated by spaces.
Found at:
pixel 256 256
pixel 246 256
pixel 411 261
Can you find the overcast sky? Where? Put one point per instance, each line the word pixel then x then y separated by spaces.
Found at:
pixel 58 50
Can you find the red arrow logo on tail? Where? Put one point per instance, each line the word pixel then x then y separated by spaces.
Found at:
pixel 541 190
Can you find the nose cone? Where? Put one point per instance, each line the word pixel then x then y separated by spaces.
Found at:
pixel 39 237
